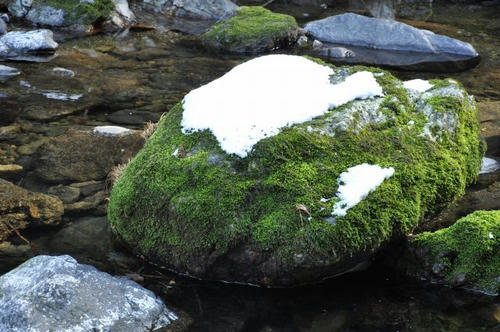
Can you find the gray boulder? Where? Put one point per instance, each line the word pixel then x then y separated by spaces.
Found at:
pixel 203 9
pixel 358 30
pixel 56 293
pixel 23 42
pixel 4 19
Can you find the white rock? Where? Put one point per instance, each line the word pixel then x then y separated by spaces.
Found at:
pixel 110 131
pixel 489 165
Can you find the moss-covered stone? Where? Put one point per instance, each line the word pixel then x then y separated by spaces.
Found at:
pixel 252 30
pixel 465 254
pixel 186 204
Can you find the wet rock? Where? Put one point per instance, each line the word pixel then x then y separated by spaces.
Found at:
pixel 202 9
pixel 57 292
pixel 489 118
pixel 88 204
pixel 489 165
pixel 133 117
pixel 337 52
pixel 27 42
pixel 88 188
pixel 9 111
pixel 462 255
pixel 66 194
pixel 8 171
pixel 4 19
pixel 252 30
pixel 20 208
pixel 82 156
pixel 63 72
pixel 302 41
pixel 6 71
pixel 353 29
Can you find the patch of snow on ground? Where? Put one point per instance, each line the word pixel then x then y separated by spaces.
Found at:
pixel 489 165
pixel 417 85
pixel 257 98
pixel 356 183
pixel 110 130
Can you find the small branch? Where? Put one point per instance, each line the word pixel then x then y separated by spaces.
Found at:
pixel 12 228
pixel 267 3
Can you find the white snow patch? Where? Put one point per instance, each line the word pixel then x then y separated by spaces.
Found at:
pixel 489 165
pixel 356 183
pixel 490 236
pixel 257 98
pixel 175 153
pixel 110 130
pixel 417 85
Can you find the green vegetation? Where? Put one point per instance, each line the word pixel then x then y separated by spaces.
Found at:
pixel 184 202
pixel 252 30
pixel 468 251
pixel 77 12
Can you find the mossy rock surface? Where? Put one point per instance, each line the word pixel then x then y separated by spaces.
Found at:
pixel 187 205
pixel 466 254
pixel 252 30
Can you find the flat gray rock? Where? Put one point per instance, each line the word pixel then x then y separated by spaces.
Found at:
pixel 358 30
pixel 56 293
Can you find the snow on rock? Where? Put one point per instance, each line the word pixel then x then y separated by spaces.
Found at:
pixel 417 85
pixel 356 183
pixel 257 98
pixel 57 293
pixel 110 130
pixel 489 165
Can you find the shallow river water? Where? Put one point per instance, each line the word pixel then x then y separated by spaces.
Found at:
pixel 134 77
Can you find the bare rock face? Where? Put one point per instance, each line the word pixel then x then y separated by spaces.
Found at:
pixel 20 208
pixel 58 294
pixel 27 42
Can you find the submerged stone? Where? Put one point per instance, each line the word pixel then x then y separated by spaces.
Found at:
pixel 56 293
pixel 253 30
pixel 263 214
pixel 466 254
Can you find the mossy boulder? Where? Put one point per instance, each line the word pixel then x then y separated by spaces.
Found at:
pixel 252 30
pixel 263 219
pixel 466 254
pixel 62 13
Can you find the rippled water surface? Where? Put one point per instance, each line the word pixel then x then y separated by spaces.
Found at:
pixel 147 72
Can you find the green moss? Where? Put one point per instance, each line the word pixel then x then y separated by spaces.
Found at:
pixel 86 13
pixel 468 249
pixel 252 30
pixel 202 202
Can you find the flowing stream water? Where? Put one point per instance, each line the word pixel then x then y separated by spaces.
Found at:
pixel 147 72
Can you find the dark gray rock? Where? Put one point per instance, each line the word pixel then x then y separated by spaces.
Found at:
pixel 67 194
pixel 57 293
pixel 133 117
pixel 358 30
